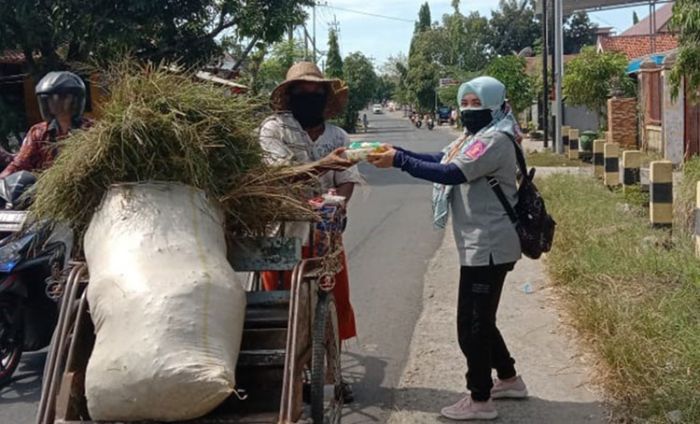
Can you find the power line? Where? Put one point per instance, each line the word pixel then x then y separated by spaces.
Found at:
pixel 375 15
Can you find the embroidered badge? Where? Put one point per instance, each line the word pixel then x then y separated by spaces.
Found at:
pixel 475 150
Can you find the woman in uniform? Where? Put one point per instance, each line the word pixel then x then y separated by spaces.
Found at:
pixel 487 243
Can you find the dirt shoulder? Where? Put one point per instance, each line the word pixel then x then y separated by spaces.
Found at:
pixel 548 358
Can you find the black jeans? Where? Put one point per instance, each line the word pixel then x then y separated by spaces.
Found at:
pixel 481 342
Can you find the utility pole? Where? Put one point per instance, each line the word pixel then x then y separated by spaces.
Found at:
pixel 559 70
pixel 545 85
pixel 313 41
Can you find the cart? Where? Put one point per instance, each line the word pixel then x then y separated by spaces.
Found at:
pixel 290 339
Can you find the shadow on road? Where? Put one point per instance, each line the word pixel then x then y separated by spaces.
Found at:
pixel 26 384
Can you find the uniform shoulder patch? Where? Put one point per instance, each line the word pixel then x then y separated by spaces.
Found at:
pixel 475 149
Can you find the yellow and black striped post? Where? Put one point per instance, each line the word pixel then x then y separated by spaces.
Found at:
pixel 631 164
pixel 565 136
pixel 612 164
pixel 573 143
pixel 697 221
pixel 599 158
pixel 661 194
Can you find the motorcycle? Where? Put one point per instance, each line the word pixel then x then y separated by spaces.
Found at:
pixel 32 258
pixel 430 124
pixel 419 122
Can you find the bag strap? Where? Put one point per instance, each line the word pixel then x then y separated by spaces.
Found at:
pixel 496 186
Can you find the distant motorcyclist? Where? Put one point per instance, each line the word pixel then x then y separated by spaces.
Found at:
pixel 61 98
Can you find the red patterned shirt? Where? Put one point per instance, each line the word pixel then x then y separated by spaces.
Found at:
pixel 37 152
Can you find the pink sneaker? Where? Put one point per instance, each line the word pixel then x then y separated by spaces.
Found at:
pixel 467 409
pixel 514 389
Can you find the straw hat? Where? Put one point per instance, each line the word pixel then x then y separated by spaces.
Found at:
pixel 307 71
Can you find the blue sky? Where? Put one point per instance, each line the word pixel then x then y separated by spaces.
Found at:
pixel 379 38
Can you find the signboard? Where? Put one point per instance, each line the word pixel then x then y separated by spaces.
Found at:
pixel 448 81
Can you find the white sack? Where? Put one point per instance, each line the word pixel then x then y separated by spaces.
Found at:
pixel 167 309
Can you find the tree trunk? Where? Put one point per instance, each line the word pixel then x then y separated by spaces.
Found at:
pixel 245 54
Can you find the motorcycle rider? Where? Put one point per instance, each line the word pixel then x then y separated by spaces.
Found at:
pixel 61 98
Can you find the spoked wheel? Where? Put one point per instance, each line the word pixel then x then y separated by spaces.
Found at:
pixel 11 340
pixel 325 363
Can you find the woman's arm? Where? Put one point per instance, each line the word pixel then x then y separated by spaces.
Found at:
pixel 439 173
pixel 426 157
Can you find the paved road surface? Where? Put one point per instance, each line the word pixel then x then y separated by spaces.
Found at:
pixel 390 241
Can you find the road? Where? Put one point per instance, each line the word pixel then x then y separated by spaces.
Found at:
pixel 390 241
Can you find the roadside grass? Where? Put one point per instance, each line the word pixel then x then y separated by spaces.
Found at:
pixel 634 301
pixel 548 158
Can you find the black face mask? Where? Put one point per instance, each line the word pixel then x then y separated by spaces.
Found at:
pixel 308 108
pixel 474 120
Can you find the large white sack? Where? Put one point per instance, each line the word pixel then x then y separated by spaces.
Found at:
pixel 167 309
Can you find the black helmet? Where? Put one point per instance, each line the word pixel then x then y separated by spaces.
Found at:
pixel 61 83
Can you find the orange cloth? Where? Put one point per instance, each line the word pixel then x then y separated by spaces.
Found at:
pixel 341 293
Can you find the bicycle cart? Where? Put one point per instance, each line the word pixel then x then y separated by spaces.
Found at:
pixel 290 338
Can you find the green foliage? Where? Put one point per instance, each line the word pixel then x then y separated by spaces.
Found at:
pixel 273 70
pixel 386 88
pixel 448 95
pixel 362 82
pixel 424 21
pixel 686 23
pixel 189 31
pixel 578 32
pixel 510 70
pixel 467 41
pixel 334 63
pixel 513 27
pixel 592 77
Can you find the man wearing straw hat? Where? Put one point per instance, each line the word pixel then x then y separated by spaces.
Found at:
pixel 298 133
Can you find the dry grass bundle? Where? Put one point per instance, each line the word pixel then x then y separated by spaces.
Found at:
pixel 164 126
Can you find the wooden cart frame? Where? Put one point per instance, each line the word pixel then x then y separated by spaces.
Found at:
pixel 290 338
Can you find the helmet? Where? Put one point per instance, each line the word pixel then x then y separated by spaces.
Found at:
pixel 57 86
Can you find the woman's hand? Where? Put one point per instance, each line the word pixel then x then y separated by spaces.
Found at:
pixel 336 160
pixel 384 159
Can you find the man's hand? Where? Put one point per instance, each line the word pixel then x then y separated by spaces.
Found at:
pixel 384 159
pixel 335 161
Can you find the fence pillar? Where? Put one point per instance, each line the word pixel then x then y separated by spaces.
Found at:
pixel 612 164
pixel 661 194
pixel 599 158
pixel 573 143
pixel 631 164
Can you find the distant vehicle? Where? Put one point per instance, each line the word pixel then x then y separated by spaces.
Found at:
pixel 377 108
pixel 443 114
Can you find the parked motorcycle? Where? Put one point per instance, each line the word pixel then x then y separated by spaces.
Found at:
pixel 430 124
pixel 419 122
pixel 32 257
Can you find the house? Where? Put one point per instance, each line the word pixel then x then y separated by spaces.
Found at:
pixel 666 125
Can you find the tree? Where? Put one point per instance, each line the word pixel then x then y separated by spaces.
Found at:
pixel 423 72
pixel 273 68
pixel 427 44
pixel 579 31
pixel 334 63
pixel 69 31
pixel 635 18
pixel 448 95
pixel 362 81
pixel 386 87
pixel 396 69
pixel 424 21
pixel 467 41
pixel 592 77
pixel 686 71
pixel 510 70
pixel 513 27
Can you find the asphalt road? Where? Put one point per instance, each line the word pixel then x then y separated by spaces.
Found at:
pixel 389 240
